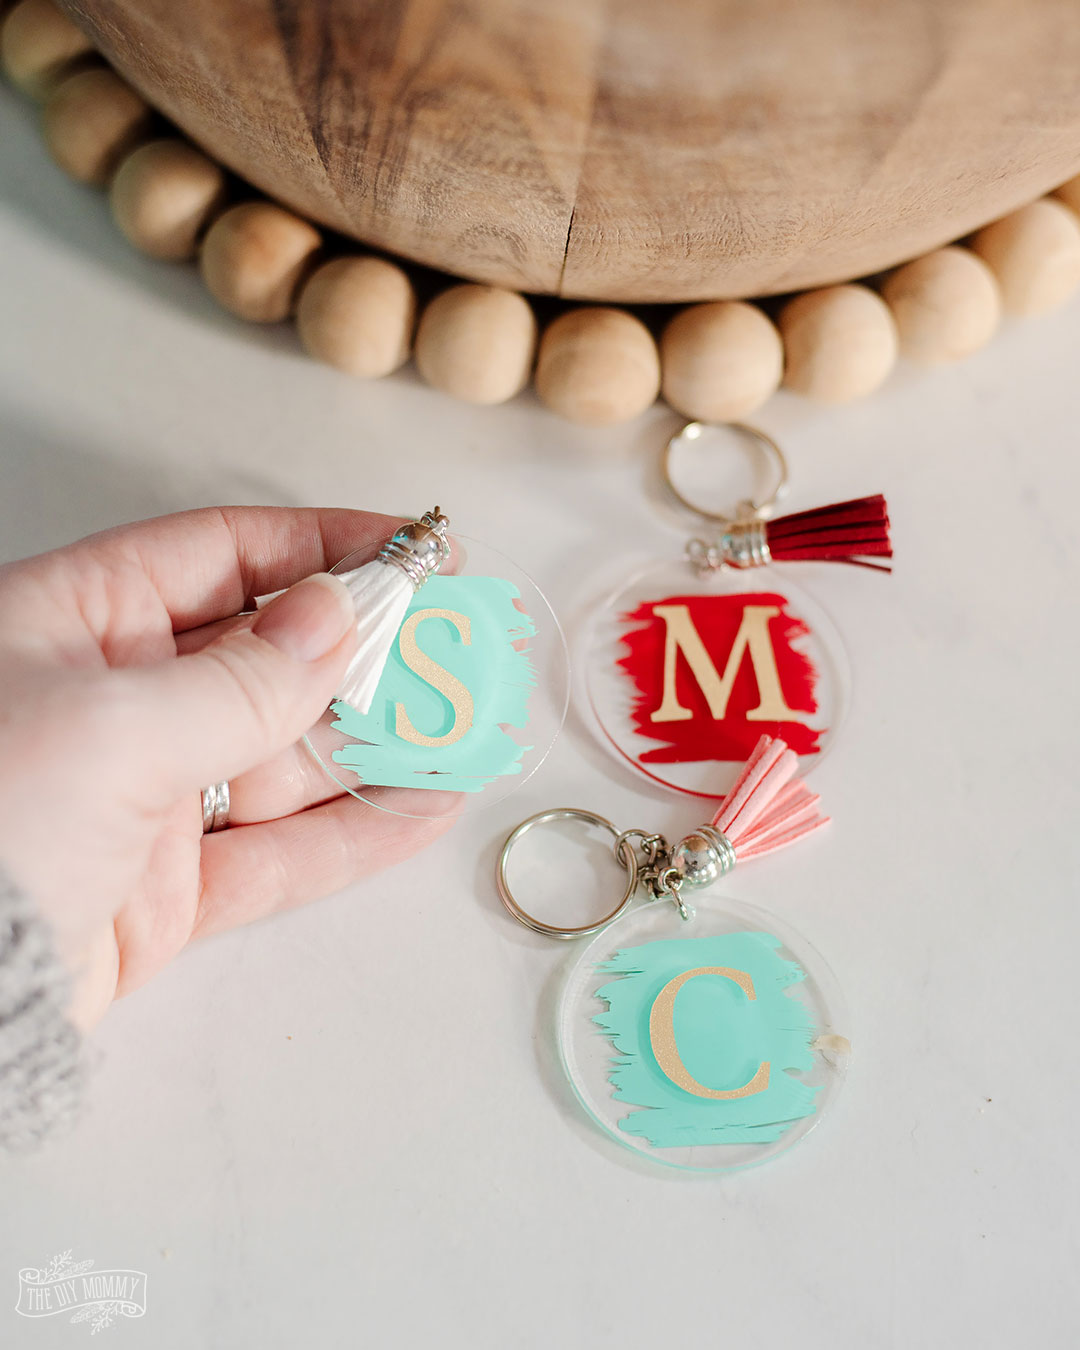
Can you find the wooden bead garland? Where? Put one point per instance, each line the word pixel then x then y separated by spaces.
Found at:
pixel 595 365
pixel 39 45
pixel 1035 255
pixel 254 257
pixel 92 119
pixel 163 196
pixel 476 343
pixel 840 343
pixel 946 305
pixel 358 314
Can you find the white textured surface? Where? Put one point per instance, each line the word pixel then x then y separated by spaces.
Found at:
pixel 406 1169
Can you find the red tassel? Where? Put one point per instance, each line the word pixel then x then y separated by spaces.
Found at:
pixel 849 532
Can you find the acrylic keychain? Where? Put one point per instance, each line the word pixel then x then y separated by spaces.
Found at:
pixel 692 659
pixel 702 1033
pixel 460 681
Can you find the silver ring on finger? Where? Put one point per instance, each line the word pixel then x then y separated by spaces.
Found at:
pixel 216 801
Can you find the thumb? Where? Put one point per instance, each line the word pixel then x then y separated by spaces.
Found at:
pixel 208 716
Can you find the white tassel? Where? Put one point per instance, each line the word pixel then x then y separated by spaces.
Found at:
pixel 380 596
pixel 381 591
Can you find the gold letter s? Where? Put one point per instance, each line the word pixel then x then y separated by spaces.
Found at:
pixel 432 673
pixel 662 1037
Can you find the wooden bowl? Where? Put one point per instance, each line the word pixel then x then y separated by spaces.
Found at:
pixel 647 150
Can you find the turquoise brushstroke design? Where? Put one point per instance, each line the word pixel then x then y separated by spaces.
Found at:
pixel 499 677
pixel 722 1037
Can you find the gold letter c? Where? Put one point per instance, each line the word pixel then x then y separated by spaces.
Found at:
pixel 662 1037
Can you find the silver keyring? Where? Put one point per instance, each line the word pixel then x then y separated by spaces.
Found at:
pixel 756 510
pixel 624 853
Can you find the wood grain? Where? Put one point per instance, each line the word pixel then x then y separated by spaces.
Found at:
pixel 688 149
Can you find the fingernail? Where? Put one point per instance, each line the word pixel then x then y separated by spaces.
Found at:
pixel 309 619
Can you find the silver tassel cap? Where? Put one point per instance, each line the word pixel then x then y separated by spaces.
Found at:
pixel 702 857
pixel 419 548
pixel 743 543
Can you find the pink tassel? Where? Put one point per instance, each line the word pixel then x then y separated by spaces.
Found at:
pixel 768 808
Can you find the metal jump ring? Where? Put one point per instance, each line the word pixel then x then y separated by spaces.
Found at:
pixel 692 431
pixel 623 852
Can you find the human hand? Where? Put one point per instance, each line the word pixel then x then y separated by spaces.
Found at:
pixel 125 694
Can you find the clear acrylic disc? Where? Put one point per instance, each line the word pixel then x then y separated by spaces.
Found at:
pixel 684 672
pixel 709 1044
pixel 434 746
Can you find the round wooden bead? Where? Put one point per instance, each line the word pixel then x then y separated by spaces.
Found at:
pixel 839 343
pixel 946 305
pixel 720 361
pixel 477 343
pixel 357 314
pixel 39 45
pixel 1035 255
pixel 91 120
pixel 163 195
pixel 254 258
pixel 597 366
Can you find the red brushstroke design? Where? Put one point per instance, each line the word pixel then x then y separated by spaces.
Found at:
pixel 717 619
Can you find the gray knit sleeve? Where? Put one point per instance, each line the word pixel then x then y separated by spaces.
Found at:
pixel 40 1067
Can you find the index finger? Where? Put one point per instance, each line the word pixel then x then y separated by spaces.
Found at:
pixel 206 564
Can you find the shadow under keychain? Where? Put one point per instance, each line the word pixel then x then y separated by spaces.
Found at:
pixel 692 659
pixel 459 683
pixel 702 1033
